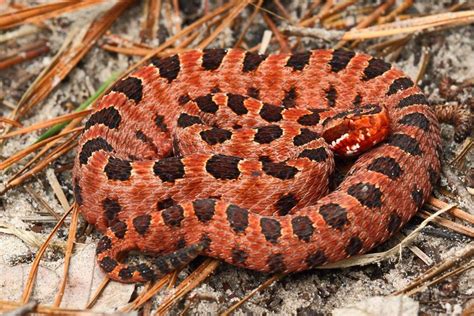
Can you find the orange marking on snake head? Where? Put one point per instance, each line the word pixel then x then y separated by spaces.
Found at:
pixel 352 132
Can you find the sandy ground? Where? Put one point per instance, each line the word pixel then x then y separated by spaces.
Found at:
pixel 308 293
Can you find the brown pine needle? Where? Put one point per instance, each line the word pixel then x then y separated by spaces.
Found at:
pixel 25 152
pixel 456 271
pixel 284 48
pixel 446 264
pixel 34 267
pixel 227 21
pixel 148 293
pixel 98 292
pixel 68 58
pixel 149 27
pixel 442 20
pixel 24 56
pixel 42 12
pixel 261 287
pixel 250 20
pixel 398 10
pixel 56 153
pixel 368 20
pixel 17 308
pixel 425 58
pixel 190 28
pixel 67 258
pixel 131 51
pixel 461 229
pixel 10 121
pixel 191 282
pixel 438 204
pixel 47 123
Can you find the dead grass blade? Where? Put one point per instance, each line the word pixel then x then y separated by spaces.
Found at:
pixel 42 12
pixel 67 259
pixel 34 267
pixel 30 238
pixel 261 287
pixel 68 57
pixel 376 257
pixel 56 186
pixel 193 280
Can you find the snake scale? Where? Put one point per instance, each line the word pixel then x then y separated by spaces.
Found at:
pixel 230 154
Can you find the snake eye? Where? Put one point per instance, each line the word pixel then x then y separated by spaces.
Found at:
pixel 352 132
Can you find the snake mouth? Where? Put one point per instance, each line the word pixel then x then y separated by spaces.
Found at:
pixel 351 133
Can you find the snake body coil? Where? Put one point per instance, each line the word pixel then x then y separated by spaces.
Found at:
pixel 229 154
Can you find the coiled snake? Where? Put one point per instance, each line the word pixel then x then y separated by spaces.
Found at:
pixel 230 154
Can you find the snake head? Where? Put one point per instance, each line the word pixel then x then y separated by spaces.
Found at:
pixel 354 131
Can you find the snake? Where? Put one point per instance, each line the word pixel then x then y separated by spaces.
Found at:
pixel 232 154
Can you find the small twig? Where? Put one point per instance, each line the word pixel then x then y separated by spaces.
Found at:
pixel 425 58
pixel 466 147
pixel 456 271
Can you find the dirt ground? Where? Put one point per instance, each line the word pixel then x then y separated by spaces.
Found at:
pixel 316 292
